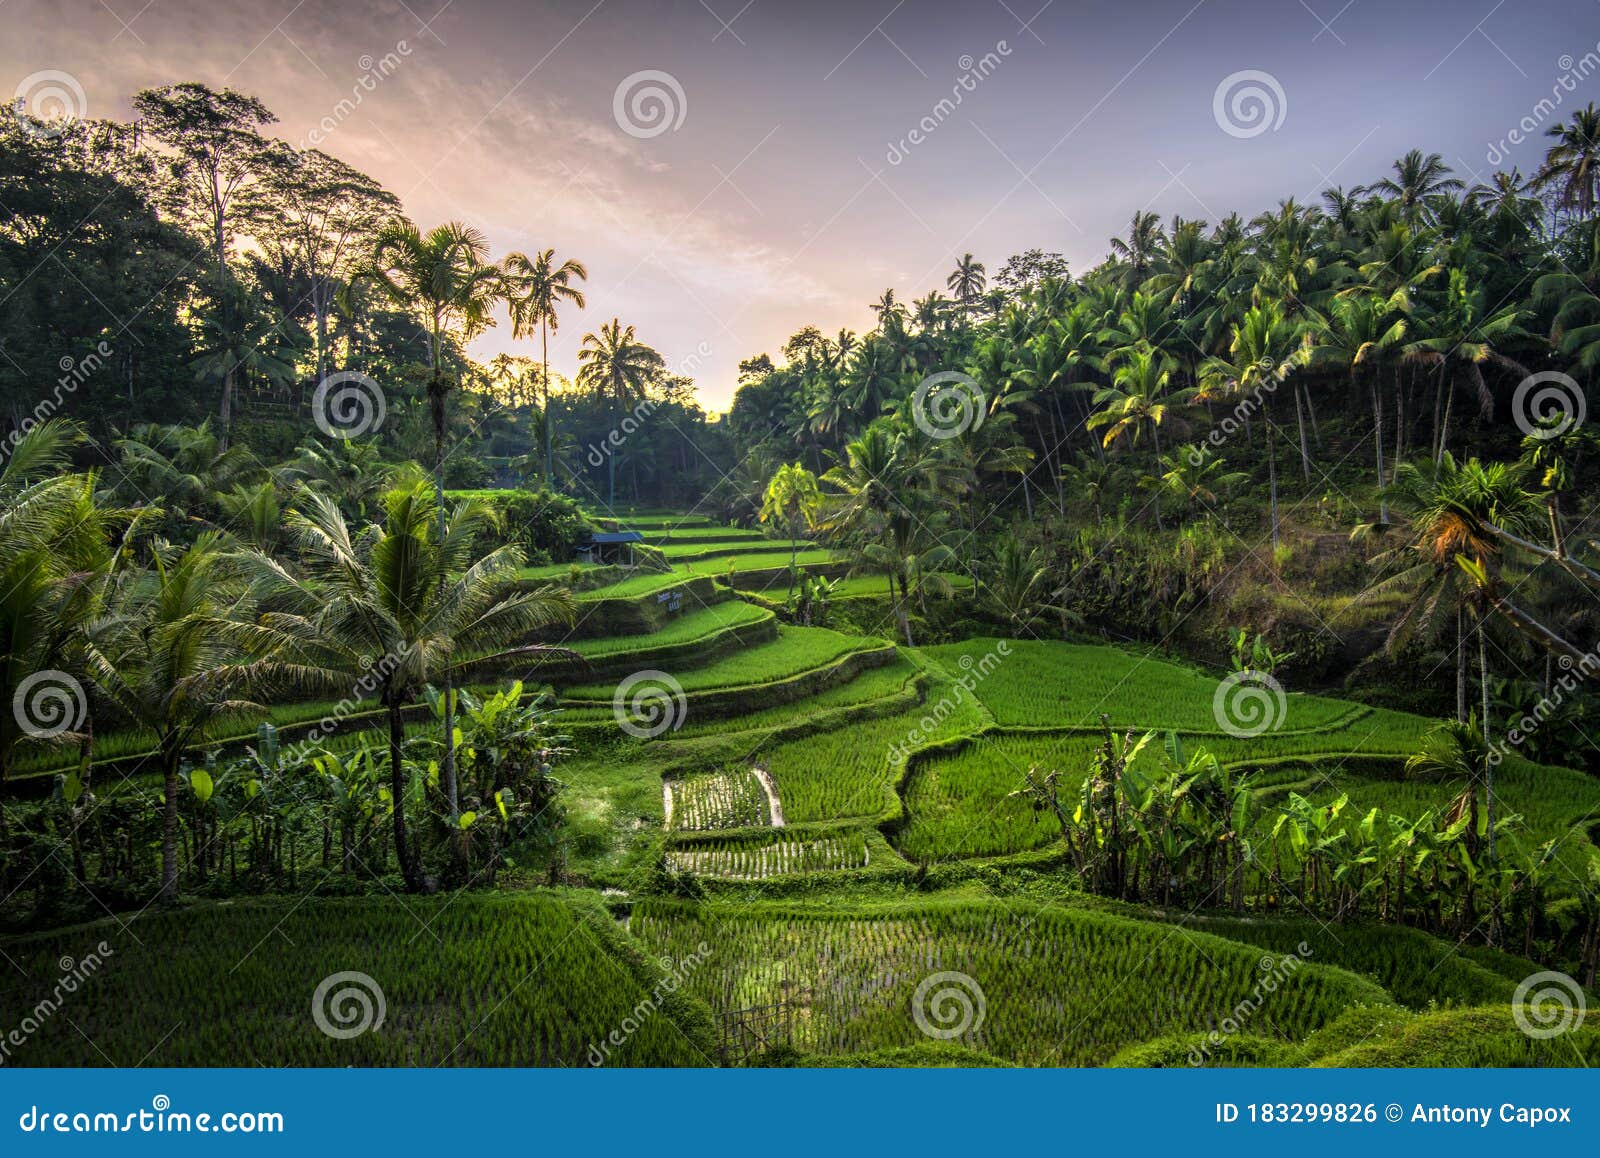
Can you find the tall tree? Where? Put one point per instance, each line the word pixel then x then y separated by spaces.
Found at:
pixel 618 369
pixel 218 153
pixel 539 288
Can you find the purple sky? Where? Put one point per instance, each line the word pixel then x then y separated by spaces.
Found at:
pixel 773 201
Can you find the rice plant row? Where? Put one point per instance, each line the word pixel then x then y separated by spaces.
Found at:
pixel 465 980
pixel 796 650
pixel 1035 986
pixel 743 861
pixel 730 799
pixel 1051 684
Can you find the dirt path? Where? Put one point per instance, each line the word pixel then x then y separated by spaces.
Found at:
pixel 774 806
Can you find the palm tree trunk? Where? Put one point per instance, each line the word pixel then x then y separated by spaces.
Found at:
pixel 447 769
pixel 1377 444
pixel 1461 666
pixel 1488 779
pixel 397 783
pixel 169 824
pixel 1444 429
pixel 1272 474
pixel 902 612
pixel 544 352
pixel 1300 422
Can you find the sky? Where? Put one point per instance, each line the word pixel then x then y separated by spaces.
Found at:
pixel 732 170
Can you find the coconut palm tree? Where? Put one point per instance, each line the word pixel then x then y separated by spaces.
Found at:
pixel 445 276
pixel 394 607
pixel 967 282
pixel 541 287
pixel 1264 350
pixel 1461 335
pixel 158 650
pixel 1140 399
pixel 1573 162
pixel 1359 334
pixel 618 369
pixel 792 499
pixel 1137 255
pixel 1418 178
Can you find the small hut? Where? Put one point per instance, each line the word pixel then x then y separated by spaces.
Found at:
pixel 611 547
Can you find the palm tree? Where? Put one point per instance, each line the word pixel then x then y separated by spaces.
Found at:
pixel 967 282
pixel 54 553
pixel 1359 334
pixel 445 275
pixel 395 608
pixel 1264 350
pixel 541 287
pixel 159 651
pixel 1137 255
pixel 1463 332
pixel 1417 179
pixel 1573 162
pixel 1139 399
pixel 618 369
pixel 792 498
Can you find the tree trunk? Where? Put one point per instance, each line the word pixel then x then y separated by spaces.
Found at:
pixel 1300 423
pixel 1461 666
pixel 1272 476
pixel 544 352
pixel 397 784
pixel 169 825
pixel 1488 780
pixel 902 612
pixel 1377 444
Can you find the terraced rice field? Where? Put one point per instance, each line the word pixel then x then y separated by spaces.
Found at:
pixel 1035 986
pixel 745 861
pixel 731 799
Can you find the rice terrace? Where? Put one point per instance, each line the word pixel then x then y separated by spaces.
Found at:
pixel 419 648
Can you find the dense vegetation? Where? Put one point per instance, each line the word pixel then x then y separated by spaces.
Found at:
pixel 1073 641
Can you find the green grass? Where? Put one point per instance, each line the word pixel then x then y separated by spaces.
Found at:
pixel 1048 684
pixel 676 552
pixel 1053 984
pixel 795 651
pixel 694 625
pixel 474 979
